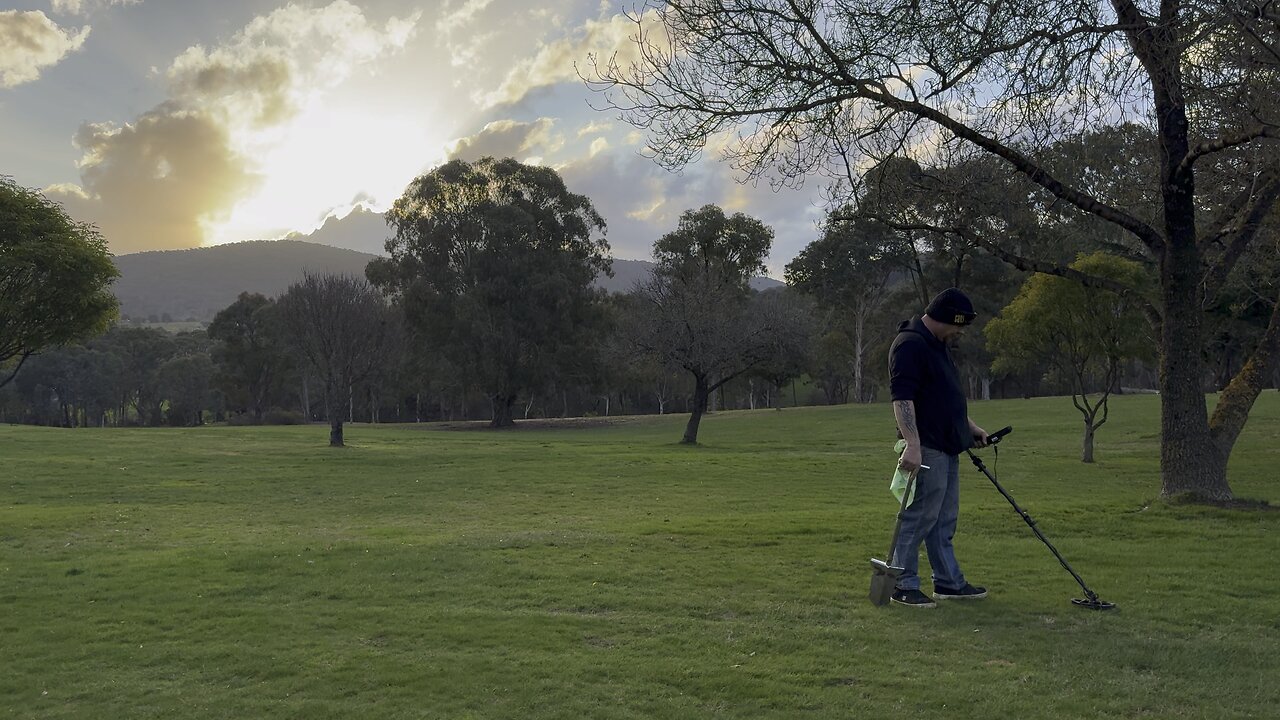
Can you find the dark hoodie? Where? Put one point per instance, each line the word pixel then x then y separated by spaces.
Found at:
pixel 921 370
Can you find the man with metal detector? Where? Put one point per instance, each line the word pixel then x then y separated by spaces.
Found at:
pixel 933 418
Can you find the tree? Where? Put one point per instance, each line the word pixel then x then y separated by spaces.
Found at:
pixel 493 264
pixel 186 381
pixel 1085 333
pixel 789 355
pixel 142 351
pixel 55 276
pixel 339 323
pixel 250 353
pixel 847 271
pixel 832 84
pixel 698 313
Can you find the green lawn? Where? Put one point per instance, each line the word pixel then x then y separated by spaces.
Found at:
pixel 610 573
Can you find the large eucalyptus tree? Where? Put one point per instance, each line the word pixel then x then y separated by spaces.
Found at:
pixel 493 264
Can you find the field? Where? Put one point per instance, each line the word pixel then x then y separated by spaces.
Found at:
pixel 603 571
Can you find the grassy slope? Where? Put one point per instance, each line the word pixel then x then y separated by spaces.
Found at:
pixel 610 573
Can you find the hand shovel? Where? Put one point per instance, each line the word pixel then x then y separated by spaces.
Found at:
pixel 884 577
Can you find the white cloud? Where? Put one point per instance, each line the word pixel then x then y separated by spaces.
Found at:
pixel 559 61
pixel 594 128
pixel 267 71
pixel 30 42
pixel 524 141
pixel 83 7
pixel 453 20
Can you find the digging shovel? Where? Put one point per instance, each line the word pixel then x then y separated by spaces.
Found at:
pixel 884 577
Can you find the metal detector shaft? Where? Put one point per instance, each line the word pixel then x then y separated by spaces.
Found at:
pixel 977 461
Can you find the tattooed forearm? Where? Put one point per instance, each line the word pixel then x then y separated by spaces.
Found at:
pixel 905 412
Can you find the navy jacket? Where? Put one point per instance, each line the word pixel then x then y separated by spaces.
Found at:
pixel 921 370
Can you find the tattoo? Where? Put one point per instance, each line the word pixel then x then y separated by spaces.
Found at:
pixel 907 415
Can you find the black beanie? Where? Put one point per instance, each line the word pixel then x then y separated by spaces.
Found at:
pixel 951 307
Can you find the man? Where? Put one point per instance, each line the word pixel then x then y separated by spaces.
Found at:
pixel 933 418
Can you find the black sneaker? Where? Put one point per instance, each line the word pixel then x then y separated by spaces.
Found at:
pixel 968 592
pixel 913 598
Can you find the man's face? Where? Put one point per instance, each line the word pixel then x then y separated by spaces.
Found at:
pixel 951 335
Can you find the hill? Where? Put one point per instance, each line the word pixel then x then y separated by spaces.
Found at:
pixel 195 284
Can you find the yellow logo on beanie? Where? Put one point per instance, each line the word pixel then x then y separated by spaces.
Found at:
pixel 958 321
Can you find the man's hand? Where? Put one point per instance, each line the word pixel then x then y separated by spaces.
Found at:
pixel 910 459
pixel 979 435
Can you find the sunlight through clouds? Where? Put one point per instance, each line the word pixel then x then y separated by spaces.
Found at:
pixel 262 113
pixel 253 119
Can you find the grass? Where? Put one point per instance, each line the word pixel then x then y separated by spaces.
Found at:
pixel 608 572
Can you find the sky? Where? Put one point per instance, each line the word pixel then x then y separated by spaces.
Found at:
pixel 175 125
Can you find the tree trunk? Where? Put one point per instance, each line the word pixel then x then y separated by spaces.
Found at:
pixel 1237 398
pixel 502 416
pixel 700 396
pixel 1190 463
pixel 333 407
pixel 306 399
pixel 1086 450
pixel 859 326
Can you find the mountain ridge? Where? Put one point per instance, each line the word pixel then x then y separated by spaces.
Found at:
pixel 194 284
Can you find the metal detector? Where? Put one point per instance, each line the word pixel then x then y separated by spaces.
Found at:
pixel 1090 599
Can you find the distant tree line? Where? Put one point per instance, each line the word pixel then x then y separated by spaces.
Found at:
pixel 485 310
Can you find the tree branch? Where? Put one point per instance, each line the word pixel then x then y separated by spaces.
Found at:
pixel 22 359
pixel 1223 143
pixel 1020 162
pixel 1254 204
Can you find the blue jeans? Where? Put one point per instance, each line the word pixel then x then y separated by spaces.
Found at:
pixel 931 518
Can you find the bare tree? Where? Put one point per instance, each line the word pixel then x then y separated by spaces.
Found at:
pixel 800 86
pixel 340 325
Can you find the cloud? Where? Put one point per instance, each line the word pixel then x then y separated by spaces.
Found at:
pixel 524 141
pixel 30 42
pixel 558 61
pixel 641 201
pixel 156 183
pixel 594 128
pixel 453 20
pixel 83 7
pixel 267 70
pixel 165 179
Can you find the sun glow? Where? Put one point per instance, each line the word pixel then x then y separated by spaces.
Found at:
pixel 325 162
